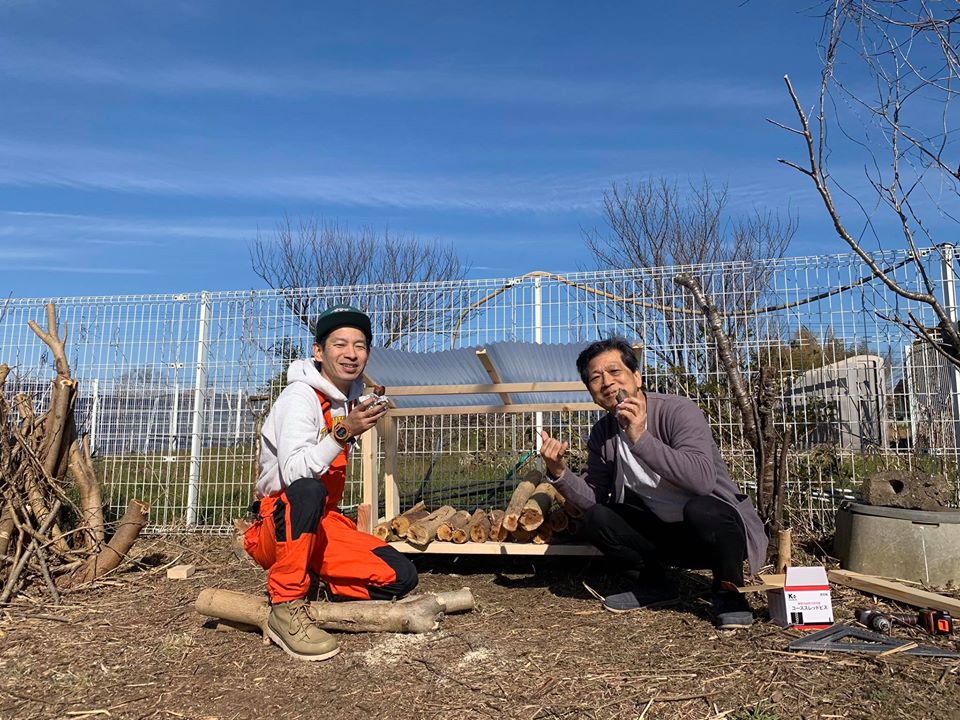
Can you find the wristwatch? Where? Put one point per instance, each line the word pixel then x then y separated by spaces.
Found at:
pixel 343 436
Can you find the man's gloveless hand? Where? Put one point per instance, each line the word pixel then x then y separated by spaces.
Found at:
pixel 364 416
pixel 552 451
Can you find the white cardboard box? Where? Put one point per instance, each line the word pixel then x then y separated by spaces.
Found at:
pixel 804 601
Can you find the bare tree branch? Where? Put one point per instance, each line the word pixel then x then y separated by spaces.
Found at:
pixel 311 253
pixel 909 50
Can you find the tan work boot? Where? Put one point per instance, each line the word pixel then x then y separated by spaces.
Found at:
pixel 291 626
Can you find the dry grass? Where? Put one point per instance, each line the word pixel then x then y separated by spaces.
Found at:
pixel 537 647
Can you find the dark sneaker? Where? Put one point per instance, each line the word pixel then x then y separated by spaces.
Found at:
pixel 291 626
pixel 650 595
pixel 732 610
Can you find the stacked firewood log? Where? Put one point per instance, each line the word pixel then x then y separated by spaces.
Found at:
pixel 52 526
pixel 535 514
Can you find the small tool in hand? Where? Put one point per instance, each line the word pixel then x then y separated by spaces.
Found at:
pixel 621 396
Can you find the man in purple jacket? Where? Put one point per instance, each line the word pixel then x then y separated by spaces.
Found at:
pixel 656 491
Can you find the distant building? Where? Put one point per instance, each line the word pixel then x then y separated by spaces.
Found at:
pixel 930 398
pixel 841 404
pixel 150 419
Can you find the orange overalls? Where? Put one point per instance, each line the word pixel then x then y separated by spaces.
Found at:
pixel 299 530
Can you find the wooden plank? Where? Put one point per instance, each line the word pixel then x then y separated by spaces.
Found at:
pixel 894 591
pixel 368 473
pixel 181 572
pixel 481 409
pixel 495 548
pixel 490 389
pixel 391 491
pixel 492 372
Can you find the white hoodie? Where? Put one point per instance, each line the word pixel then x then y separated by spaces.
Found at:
pixel 294 442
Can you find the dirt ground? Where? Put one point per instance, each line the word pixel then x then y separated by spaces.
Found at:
pixel 538 646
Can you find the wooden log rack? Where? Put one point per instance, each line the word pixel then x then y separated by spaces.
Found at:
pixel 387 431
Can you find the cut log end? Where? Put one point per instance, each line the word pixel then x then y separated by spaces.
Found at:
pixel 424 531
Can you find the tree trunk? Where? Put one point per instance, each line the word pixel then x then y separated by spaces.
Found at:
pixel 113 553
pixel 6 528
pixel 764 450
pixel 784 550
pixel 411 615
pixel 91 500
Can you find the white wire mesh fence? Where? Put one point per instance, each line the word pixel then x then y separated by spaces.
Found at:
pixel 172 386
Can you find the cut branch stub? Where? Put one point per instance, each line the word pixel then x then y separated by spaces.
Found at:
pixel 52 340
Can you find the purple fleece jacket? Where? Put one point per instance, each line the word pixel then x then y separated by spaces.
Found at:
pixel 678 445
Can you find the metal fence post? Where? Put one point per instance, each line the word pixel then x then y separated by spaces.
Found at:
pixel 950 301
pixel 196 445
pixel 94 414
pixel 538 339
pixel 174 425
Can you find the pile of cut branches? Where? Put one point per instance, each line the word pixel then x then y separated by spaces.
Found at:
pixel 45 535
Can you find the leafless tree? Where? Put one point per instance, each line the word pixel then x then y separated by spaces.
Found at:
pixel 891 73
pixel 655 224
pixel 312 253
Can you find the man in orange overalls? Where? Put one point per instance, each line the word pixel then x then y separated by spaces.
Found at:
pixel 305 442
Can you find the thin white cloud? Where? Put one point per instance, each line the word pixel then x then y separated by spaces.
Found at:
pixel 84 168
pixel 476 83
pixel 98 230
pixel 75 269
pixel 16 254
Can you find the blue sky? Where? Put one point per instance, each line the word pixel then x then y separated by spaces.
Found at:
pixel 143 144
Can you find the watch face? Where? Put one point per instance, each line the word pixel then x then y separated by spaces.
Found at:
pixel 340 432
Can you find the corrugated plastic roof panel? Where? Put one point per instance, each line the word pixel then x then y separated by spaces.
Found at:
pixel 514 361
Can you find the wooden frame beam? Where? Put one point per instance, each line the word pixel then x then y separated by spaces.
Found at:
pixel 492 372
pixel 370 475
pixel 480 409
pixel 492 389
pixel 391 491
pixel 495 548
